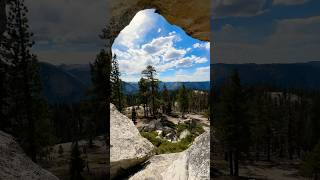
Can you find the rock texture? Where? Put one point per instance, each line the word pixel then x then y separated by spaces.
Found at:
pixel 193 15
pixel 192 164
pixel 127 147
pixel 155 166
pixel 14 164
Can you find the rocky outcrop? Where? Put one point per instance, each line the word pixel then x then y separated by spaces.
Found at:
pixel 127 147
pixel 155 166
pixel 177 12
pixel 192 164
pixel 14 164
pixel 184 134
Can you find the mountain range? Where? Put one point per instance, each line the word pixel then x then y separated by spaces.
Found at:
pixel 294 75
pixel 69 83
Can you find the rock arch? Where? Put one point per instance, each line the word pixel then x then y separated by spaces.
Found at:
pixel 193 16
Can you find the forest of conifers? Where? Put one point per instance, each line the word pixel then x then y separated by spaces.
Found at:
pixel 265 123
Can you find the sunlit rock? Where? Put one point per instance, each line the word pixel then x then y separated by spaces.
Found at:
pixel 127 147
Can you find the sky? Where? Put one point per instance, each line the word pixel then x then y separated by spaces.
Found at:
pixel 265 31
pixel 150 40
pixel 67 31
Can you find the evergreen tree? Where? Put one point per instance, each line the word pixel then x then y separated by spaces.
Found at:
pixel 144 94
pixel 150 74
pixel 183 100
pixel 89 130
pixel 116 84
pixel 60 151
pixel 232 127
pixel 134 115
pixel 100 75
pixel 166 100
pixel 76 162
pixel 27 110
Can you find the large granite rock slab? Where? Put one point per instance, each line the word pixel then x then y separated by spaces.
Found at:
pixel 155 166
pixel 127 147
pixel 192 164
pixel 14 164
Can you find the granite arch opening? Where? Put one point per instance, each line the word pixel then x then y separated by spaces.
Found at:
pixel 192 16
pixel 195 25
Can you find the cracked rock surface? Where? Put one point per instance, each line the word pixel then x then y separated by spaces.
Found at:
pixel 191 164
pixel 14 163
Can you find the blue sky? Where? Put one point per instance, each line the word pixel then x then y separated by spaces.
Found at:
pixel 266 31
pixel 150 40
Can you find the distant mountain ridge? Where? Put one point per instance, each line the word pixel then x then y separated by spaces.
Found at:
pixel 133 87
pixel 294 75
pixel 70 83
pixel 61 86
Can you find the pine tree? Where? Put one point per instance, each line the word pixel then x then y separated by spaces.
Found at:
pixel 134 115
pixel 60 151
pixel 89 130
pixel 166 100
pixel 144 94
pixel 183 100
pixel 100 76
pixel 150 74
pixel 27 109
pixel 76 162
pixel 232 128
pixel 116 84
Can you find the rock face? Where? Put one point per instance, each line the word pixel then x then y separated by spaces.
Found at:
pixel 192 164
pixel 14 164
pixel 156 165
pixel 177 12
pixel 127 147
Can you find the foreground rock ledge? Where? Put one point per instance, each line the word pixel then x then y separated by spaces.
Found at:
pixel 192 164
pixel 14 164
pixel 127 147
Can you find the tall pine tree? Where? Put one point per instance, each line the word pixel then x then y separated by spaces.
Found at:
pixel 183 100
pixel 100 76
pixel 144 94
pixel 28 111
pixel 232 127
pixel 116 84
pixel 150 74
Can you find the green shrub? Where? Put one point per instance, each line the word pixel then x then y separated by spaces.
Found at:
pixel 164 146
pixel 194 128
pixel 152 137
